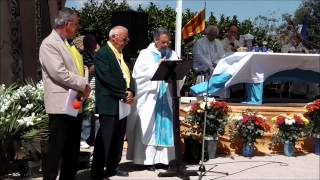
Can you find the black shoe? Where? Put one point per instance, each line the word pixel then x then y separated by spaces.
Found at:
pixel 99 178
pixel 117 172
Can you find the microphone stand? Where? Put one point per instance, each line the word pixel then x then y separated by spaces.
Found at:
pixel 202 167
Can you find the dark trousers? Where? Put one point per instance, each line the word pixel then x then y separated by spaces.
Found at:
pixel 63 147
pixel 108 145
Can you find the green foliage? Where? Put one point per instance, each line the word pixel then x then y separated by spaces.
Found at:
pixel 22 113
pixel 217 117
pixel 312 112
pixel 290 128
pixel 95 16
pixel 248 126
pixel 310 9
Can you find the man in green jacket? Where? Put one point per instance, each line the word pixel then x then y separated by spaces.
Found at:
pixel 113 84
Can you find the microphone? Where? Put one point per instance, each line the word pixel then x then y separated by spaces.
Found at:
pixel 165 53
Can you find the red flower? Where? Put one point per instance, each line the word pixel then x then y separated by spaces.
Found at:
pixel 317 102
pixel 280 120
pixel 298 119
pixel 245 119
pixel 258 121
pixel 311 107
pixel 195 107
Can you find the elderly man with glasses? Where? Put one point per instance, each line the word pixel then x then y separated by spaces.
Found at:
pixel 230 42
pixel 207 51
pixel 113 84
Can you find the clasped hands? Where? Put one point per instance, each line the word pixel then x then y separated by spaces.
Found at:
pixel 129 97
pixel 85 93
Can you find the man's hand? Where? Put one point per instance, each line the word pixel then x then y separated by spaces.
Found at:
pixel 91 70
pixel 129 97
pixel 232 39
pixel 86 92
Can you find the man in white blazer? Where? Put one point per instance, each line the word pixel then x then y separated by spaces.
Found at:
pixel 62 70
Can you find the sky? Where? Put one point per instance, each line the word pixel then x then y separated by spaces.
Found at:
pixel 244 9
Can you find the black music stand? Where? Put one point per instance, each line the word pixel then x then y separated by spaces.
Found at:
pixel 171 71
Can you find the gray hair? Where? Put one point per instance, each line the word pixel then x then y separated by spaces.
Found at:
pixel 209 28
pixel 64 15
pixel 159 31
pixel 115 30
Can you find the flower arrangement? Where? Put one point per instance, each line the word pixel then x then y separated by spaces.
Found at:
pixel 22 113
pixel 290 128
pixel 312 112
pixel 217 118
pixel 249 126
pixel 23 122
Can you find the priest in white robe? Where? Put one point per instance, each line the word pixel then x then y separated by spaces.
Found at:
pixel 149 127
pixel 207 52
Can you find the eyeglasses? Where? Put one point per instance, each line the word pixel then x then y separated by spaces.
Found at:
pixel 73 23
pixel 165 42
pixel 126 40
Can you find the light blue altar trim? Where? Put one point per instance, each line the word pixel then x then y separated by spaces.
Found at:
pixel 216 82
pixel 254 93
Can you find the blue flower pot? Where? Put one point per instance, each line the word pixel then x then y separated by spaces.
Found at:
pixel 247 150
pixel 288 148
pixel 317 146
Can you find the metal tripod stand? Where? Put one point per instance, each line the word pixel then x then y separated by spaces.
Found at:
pixel 202 167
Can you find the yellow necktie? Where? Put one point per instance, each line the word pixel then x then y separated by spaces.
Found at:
pixel 76 57
pixel 124 68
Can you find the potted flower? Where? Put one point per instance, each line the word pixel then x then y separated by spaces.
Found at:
pixel 290 128
pixel 312 112
pixel 22 120
pixel 248 126
pixel 217 119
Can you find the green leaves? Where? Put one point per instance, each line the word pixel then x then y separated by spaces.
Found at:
pixel 22 113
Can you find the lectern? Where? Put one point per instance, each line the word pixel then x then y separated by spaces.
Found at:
pixel 171 71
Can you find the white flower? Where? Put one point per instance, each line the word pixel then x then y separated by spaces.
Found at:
pixel 29 106
pixel 289 121
pixel 202 105
pixel 262 117
pixel 187 109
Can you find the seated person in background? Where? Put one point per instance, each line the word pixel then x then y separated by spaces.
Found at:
pixel 287 34
pixel 230 45
pixel 207 51
pixel 230 42
pixel 294 45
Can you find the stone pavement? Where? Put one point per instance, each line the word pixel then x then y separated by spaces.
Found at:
pixel 301 167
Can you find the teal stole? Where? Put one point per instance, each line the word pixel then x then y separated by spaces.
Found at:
pixel 163 115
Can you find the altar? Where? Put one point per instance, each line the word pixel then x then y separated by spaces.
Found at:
pixel 254 68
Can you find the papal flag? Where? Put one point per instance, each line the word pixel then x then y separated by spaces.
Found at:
pixel 195 25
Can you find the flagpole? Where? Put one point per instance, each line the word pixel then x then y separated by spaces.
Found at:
pixel 178 27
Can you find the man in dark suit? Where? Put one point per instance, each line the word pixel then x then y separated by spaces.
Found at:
pixel 113 84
